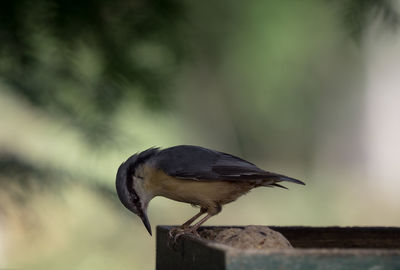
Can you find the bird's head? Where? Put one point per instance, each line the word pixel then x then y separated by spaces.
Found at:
pixel 130 187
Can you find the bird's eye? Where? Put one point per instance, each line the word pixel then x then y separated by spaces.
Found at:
pixel 135 198
pixel 139 177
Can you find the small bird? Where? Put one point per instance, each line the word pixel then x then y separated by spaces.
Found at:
pixel 189 174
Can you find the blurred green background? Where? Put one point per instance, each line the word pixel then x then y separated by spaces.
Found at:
pixel 305 88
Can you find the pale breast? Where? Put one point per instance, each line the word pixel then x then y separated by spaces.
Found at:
pixel 203 193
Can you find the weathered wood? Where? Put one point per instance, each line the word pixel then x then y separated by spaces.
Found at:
pixel 188 253
pixel 342 237
pixel 315 248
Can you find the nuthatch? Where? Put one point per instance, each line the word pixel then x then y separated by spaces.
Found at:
pixel 190 174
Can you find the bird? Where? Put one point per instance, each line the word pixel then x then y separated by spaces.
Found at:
pixel 190 174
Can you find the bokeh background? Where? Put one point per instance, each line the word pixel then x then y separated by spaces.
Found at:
pixel 310 89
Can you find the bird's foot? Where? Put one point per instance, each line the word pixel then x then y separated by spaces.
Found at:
pixel 176 233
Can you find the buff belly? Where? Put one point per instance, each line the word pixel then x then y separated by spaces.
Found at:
pixel 210 195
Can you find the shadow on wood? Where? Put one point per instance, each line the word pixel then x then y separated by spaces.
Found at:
pixel 314 248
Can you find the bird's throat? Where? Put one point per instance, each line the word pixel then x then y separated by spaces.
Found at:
pixel 144 194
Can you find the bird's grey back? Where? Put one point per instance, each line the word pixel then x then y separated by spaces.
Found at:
pixel 198 163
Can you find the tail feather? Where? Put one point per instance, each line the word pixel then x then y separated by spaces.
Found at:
pixel 274 179
pixel 277 185
pixel 289 179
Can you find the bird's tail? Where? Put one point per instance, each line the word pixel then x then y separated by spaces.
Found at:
pixel 289 179
pixel 276 178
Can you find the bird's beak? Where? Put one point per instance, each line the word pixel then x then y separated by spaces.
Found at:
pixel 146 222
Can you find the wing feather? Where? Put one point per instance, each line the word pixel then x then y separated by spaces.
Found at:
pixel 202 164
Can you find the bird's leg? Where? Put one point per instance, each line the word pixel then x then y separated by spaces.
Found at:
pixel 198 224
pixel 190 221
pixel 173 233
pixel 191 230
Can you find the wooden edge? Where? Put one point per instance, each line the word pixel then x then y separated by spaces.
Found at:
pixel 298 250
pixel 192 253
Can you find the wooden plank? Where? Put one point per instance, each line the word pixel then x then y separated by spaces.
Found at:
pixel 342 237
pixel 315 248
pixel 327 261
pixel 189 254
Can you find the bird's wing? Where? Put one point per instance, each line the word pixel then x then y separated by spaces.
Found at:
pixel 197 163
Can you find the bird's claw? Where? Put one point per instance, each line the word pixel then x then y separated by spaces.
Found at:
pixel 176 233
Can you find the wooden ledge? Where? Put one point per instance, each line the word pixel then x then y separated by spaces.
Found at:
pixel 314 248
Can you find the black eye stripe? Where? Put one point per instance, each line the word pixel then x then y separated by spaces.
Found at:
pixel 134 196
pixel 132 164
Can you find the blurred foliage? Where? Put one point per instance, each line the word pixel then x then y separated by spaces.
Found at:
pixel 16 171
pixel 358 13
pixel 84 84
pixel 79 59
